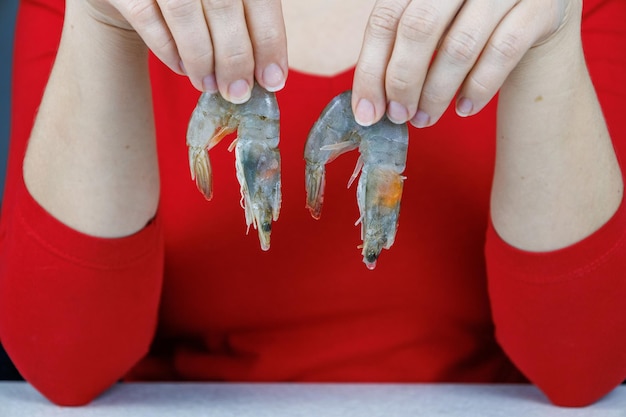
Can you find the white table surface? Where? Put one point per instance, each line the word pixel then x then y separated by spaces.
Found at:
pixel 19 399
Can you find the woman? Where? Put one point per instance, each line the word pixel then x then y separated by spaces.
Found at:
pixel 114 266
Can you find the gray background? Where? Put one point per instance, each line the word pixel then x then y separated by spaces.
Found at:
pixel 8 8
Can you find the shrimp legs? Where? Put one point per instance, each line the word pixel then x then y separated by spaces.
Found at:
pixel 383 151
pixel 256 153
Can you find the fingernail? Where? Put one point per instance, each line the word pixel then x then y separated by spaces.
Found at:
pixel 464 107
pixel 421 119
pixel 273 77
pixel 239 91
pixel 365 112
pixel 397 113
pixel 209 84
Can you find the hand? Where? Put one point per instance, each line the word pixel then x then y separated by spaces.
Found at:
pixel 219 44
pixel 477 44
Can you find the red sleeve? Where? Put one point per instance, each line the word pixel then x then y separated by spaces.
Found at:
pixel 76 312
pixel 561 316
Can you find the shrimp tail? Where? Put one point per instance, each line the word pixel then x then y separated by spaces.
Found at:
pixel 315 181
pixel 200 167
pixel 210 123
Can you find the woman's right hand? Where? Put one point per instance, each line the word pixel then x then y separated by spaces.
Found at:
pixel 219 44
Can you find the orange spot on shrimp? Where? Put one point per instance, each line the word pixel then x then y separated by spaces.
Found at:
pixel 389 190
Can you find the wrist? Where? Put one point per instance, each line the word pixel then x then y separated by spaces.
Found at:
pixel 97 35
pixel 553 61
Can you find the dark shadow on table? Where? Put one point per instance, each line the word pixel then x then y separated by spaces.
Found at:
pixel 7 369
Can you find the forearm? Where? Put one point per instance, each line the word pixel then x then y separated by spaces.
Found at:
pixel 91 159
pixel 556 178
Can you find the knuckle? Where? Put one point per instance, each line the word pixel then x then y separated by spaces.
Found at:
pixel 396 83
pixel 140 12
pixel 478 86
pixel 368 73
pixel 265 5
pixel 239 59
pixel 383 21
pixel 204 57
pixel 434 96
pixel 179 8
pixel 420 24
pixel 269 35
pixel 214 5
pixel 225 6
pixel 460 47
pixel 165 44
pixel 507 47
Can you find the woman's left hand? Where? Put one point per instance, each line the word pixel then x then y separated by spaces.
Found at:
pixel 477 44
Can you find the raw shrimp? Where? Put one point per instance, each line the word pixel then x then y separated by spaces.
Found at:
pixel 256 152
pixel 383 150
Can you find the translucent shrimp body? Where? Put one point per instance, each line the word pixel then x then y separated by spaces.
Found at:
pixel 256 152
pixel 383 150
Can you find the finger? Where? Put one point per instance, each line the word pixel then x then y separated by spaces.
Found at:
pixel 186 22
pixel 234 61
pixel 269 42
pixel 368 90
pixel 146 19
pixel 510 41
pixel 419 31
pixel 459 50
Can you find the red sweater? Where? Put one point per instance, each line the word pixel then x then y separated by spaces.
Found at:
pixel 191 297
